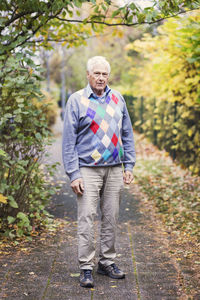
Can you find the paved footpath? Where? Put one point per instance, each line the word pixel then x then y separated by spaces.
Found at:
pixel 47 268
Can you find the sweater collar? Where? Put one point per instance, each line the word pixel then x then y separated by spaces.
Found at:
pixel 90 92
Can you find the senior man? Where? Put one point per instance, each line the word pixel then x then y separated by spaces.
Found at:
pixel 97 142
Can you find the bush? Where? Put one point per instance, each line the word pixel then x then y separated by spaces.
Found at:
pixel 168 82
pixel 24 135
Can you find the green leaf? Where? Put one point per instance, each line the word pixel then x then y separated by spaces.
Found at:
pixel 11 219
pixel 38 136
pixel 104 7
pixel 116 12
pixel 20 232
pixel 13 203
pixel 3 153
pixel 22 216
pixel 8 115
pixel 141 18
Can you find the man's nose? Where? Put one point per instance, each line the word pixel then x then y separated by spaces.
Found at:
pixel 101 77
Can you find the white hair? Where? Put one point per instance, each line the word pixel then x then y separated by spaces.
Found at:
pixel 95 60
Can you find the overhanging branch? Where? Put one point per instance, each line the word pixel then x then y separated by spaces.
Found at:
pixel 124 23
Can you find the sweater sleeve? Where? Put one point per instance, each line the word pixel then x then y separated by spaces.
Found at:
pixel 69 151
pixel 128 141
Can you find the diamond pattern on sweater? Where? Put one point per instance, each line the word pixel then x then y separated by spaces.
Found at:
pixel 101 112
pixel 90 113
pixel 104 125
pixel 110 110
pixel 115 153
pixel 94 126
pixel 114 139
pixel 106 154
pixel 115 99
pixel 108 99
pixel 106 141
pixel 106 122
pixel 96 155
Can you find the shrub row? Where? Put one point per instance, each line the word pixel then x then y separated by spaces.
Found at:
pixel 167 108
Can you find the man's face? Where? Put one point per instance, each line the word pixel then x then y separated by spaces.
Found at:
pixel 98 78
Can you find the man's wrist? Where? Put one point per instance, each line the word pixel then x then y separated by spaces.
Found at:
pixel 128 167
pixel 74 175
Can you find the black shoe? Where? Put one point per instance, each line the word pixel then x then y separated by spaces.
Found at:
pixel 86 279
pixel 112 271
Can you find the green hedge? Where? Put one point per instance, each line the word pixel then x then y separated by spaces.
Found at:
pixel 24 134
pixel 170 126
pixel 167 86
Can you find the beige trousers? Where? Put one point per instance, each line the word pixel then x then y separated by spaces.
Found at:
pixel 103 184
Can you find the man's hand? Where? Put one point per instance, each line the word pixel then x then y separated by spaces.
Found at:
pixel 128 177
pixel 77 186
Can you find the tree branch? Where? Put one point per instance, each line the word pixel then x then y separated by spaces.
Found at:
pixel 123 23
pixel 23 33
pixel 24 13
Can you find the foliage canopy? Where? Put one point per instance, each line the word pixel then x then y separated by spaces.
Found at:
pixel 63 20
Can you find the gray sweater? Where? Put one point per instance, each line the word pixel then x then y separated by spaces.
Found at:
pixel 97 132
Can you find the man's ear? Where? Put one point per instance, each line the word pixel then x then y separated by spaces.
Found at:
pixel 88 74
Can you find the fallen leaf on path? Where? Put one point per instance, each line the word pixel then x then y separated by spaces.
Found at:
pixel 75 274
pixel 24 249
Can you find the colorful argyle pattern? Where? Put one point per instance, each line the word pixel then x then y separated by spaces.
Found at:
pixel 105 122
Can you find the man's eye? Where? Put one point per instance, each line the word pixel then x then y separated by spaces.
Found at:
pixel 97 73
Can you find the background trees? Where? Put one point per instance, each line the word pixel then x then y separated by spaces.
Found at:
pixel 168 82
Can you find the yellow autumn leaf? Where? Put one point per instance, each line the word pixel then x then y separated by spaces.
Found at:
pixel 3 199
pixel 190 132
pixel 185 114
